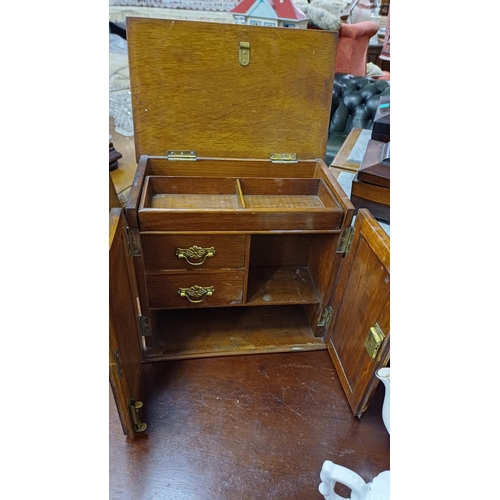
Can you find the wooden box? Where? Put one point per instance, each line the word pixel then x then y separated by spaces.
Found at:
pixel 371 186
pixel 381 130
pixel 236 236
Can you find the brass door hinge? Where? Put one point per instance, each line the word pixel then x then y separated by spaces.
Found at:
pixel 134 242
pixel 326 316
pixel 374 340
pixel 116 357
pixel 345 240
pixel 144 326
pixel 182 155
pixel 284 158
pixel 134 407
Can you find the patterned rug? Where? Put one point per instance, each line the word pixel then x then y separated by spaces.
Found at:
pixel 211 5
pixel 181 10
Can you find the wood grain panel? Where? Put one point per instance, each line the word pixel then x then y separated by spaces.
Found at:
pixel 159 251
pixel 371 192
pixel 231 167
pixel 281 285
pixel 162 288
pixel 189 90
pixel 362 300
pixel 242 220
pixel 125 351
pixel 281 250
pixel 360 310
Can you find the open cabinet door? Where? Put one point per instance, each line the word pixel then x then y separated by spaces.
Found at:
pixel 358 336
pixel 125 350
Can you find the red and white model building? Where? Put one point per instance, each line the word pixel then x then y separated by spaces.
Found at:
pixel 281 13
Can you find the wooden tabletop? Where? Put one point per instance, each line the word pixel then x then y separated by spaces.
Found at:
pixel 341 160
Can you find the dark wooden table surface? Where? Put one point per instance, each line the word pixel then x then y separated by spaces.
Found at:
pixel 244 427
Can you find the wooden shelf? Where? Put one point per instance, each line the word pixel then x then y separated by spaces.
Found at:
pixel 281 285
pixel 192 333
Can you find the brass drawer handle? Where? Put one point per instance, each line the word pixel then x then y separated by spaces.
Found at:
pixel 193 293
pixel 195 252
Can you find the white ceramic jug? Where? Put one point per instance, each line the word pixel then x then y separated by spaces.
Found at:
pixel 361 12
pixel 378 489
pixel 384 375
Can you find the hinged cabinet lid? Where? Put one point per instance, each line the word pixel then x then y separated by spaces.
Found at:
pixel 191 91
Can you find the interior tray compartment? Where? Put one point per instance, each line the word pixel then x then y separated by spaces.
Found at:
pixel 286 194
pixel 191 193
pixel 237 204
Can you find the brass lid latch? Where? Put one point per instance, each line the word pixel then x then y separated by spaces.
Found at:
pixel 244 55
pixel 374 340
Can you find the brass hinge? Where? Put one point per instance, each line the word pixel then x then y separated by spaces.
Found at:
pixel 345 240
pixel 284 158
pixel 116 357
pixel 374 340
pixel 134 242
pixel 133 407
pixel 326 316
pixel 182 155
pixel 144 326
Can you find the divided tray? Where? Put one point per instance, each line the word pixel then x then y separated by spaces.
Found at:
pixel 237 204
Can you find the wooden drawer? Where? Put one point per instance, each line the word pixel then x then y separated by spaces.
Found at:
pixel 225 289
pixel 163 251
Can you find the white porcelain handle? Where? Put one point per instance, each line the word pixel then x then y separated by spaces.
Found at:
pixel 332 473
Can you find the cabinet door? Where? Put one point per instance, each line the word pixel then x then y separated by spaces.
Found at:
pixel 361 312
pixel 125 350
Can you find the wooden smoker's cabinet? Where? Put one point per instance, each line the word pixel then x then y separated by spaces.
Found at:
pixel 236 235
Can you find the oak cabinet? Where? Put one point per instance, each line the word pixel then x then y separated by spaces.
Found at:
pixel 236 238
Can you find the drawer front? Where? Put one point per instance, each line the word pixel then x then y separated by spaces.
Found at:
pixel 202 289
pixel 203 251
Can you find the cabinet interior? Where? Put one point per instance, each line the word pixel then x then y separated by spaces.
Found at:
pixel 265 283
